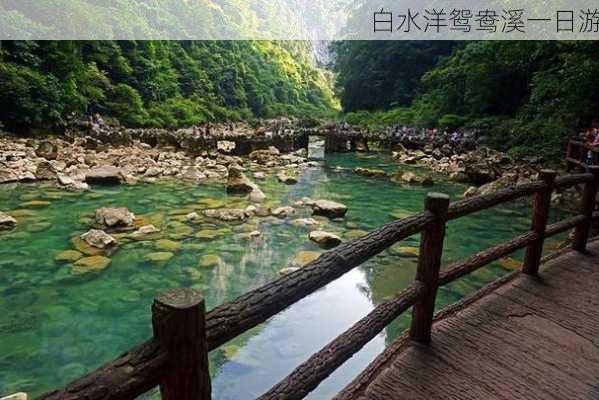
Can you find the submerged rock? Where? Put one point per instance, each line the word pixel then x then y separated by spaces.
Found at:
pixel 329 209
pixel 93 263
pixel 159 257
pixel 39 226
pixel 210 261
pixel 324 239
pixel 305 222
pixel 208 234
pixel 355 234
pixel 168 245
pixel 509 263
pixel 370 172
pixel 113 217
pixel 405 251
pixel 68 256
pixel 98 239
pixel 304 258
pixel 83 247
pixel 6 221
pixel 36 203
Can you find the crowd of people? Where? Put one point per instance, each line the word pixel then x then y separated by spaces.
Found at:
pixel 590 137
pixel 408 136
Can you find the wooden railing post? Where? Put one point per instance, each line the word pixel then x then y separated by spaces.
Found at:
pixel 178 318
pixel 540 215
pixel 569 156
pixel 581 234
pixel 429 263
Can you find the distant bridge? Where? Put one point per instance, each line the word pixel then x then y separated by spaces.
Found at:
pixel 530 335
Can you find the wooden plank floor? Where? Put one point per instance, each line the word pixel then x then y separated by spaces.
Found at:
pixel 526 339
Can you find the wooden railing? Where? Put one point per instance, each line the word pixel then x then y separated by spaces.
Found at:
pixel 577 154
pixel 176 358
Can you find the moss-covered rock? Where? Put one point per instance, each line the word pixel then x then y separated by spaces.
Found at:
pixel 93 263
pixel 68 256
pixel 168 245
pixel 210 261
pixel 159 257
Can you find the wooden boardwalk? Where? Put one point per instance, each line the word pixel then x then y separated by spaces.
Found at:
pixel 523 338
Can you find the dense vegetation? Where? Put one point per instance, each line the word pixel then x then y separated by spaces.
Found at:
pixel 528 96
pixel 156 83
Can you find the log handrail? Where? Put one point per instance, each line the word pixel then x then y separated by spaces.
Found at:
pixel 152 362
pixel 568 181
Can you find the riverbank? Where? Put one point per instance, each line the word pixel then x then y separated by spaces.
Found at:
pixel 94 151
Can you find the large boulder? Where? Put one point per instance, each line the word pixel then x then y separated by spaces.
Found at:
pixel 6 221
pixel 264 156
pixel 238 183
pixel 501 183
pixel 92 263
pixel 257 195
pixel 114 217
pixel 47 150
pixel 479 173
pixel 45 171
pixel 324 239
pixel 71 183
pixel 98 238
pixel 8 175
pixel 329 209
pixel 104 175
pixel 193 174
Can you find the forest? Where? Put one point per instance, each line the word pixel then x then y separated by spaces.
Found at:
pixel 528 96
pixel 43 84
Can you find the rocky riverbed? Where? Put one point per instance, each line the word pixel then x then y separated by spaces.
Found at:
pixel 84 258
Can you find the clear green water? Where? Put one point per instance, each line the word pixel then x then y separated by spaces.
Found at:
pixel 56 326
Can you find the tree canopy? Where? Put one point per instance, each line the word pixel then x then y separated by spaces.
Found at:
pixel 158 83
pixel 528 96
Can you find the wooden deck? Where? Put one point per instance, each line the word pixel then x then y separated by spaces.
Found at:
pixel 524 338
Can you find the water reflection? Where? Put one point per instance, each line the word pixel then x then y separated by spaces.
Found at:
pixel 289 338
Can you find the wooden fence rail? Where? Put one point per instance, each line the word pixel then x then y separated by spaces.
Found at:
pixel 176 358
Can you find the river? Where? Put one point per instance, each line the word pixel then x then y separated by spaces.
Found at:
pixel 57 324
